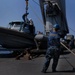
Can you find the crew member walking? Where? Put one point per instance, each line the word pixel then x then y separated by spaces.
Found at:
pixel 53 50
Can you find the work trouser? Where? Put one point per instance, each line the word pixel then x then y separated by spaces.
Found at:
pixel 51 53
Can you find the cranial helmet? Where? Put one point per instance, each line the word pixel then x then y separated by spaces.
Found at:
pixel 56 26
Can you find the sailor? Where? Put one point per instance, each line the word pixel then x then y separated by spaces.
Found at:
pixel 53 50
pixel 52 8
pixel 31 26
pixel 49 8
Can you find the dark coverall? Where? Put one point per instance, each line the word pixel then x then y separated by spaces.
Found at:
pixel 53 51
